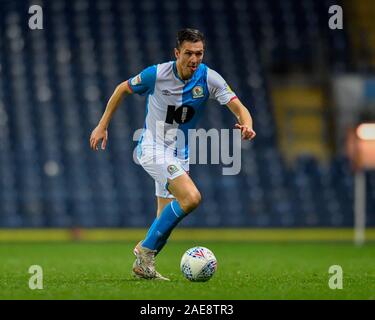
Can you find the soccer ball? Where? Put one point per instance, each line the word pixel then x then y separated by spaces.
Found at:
pixel 198 264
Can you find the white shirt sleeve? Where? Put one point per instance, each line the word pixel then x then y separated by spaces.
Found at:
pixel 218 88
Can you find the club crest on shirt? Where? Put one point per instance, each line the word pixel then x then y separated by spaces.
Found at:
pixel 136 80
pixel 198 92
pixel 172 169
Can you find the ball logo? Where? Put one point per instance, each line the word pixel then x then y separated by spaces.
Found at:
pixel 198 92
pixel 197 252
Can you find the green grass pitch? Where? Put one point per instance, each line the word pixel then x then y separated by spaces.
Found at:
pixel 246 270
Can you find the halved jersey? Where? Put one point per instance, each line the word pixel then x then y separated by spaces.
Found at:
pixel 173 103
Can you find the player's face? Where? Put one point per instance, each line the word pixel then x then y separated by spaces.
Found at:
pixel 188 58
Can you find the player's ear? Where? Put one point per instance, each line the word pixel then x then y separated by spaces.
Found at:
pixel 176 53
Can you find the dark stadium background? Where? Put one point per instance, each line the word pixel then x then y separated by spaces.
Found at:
pixel 280 57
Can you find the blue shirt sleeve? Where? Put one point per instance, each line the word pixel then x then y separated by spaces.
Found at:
pixel 144 83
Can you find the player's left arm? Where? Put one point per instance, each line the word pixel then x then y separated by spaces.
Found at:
pixel 245 121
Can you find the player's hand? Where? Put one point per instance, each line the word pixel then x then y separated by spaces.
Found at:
pixel 99 133
pixel 247 132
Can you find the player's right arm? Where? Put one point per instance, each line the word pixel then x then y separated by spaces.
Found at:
pixel 101 130
pixel 142 84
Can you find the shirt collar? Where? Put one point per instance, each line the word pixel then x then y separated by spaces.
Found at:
pixel 178 77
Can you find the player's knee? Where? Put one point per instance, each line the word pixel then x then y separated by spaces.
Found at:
pixel 191 201
pixel 195 199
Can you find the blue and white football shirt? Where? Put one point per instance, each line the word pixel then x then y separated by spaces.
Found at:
pixel 176 103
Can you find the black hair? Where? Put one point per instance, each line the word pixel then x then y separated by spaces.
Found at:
pixel 190 35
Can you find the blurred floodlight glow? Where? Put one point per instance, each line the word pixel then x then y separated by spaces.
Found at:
pixel 366 131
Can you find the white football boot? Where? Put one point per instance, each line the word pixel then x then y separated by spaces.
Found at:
pixel 144 264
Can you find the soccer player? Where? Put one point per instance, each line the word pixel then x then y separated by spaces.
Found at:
pixel 176 93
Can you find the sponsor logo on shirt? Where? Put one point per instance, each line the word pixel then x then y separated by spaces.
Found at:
pixel 198 92
pixel 166 92
pixel 228 88
pixel 136 80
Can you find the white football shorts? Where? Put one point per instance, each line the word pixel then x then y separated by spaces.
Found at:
pixel 161 164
